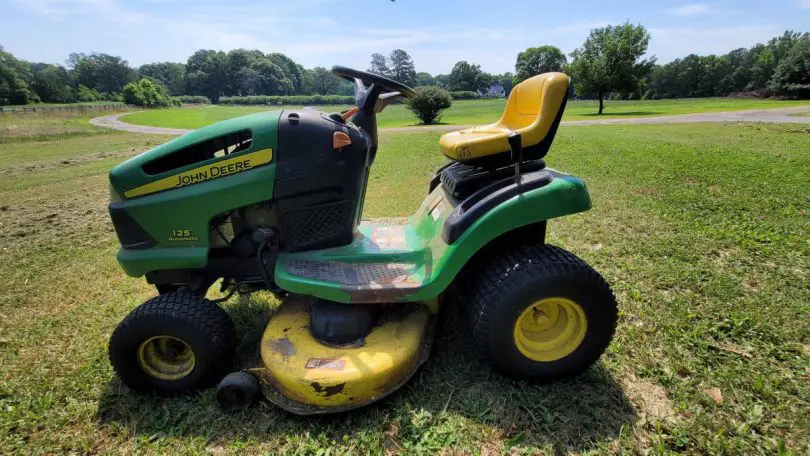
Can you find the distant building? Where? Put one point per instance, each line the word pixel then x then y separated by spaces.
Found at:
pixel 495 90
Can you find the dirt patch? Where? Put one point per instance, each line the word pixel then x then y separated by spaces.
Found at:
pixel 649 398
pixel 55 164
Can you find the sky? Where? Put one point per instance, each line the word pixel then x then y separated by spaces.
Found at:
pixel 436 33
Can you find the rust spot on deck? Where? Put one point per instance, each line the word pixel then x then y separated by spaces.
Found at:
pixel 283 346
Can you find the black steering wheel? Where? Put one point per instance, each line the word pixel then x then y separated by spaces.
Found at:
pixel 370 87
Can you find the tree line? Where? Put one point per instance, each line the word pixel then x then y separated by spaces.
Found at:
pixel 610 63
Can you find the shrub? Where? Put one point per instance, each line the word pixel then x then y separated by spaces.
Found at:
pixel 146 92
pixel 429 103
pixel 289 100
pixel 463 95
pixel 192 99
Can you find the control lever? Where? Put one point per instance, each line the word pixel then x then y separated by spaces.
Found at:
pixel 516 147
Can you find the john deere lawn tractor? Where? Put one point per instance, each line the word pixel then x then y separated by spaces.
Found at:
pixel 274 201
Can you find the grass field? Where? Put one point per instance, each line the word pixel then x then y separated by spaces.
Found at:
pixel 702 230
pixel 467 112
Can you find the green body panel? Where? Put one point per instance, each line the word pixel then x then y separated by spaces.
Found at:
pixel 178 220
pixel 435 263
pixel 263 125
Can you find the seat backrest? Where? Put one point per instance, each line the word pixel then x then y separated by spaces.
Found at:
pixel 534 105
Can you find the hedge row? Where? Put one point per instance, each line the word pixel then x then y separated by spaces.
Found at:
pixel 301 100
pixel 464 95
pixel 192 99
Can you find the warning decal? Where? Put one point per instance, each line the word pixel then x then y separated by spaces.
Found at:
pixel 325 363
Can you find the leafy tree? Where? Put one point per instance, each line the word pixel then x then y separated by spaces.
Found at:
pixel 442 80
pixel 538 60
pixel 292 70
pixel 101 72
pixel 379 65
pixel 466 76
pixel 610 59
pixel 86 94
pixel 792 76
pixel 253 73
pixel 402 67
pixel 172 75
pixel 324 82
pixel 15 76
pixel 146 92
pixel 53 84
pixel 428 103
pixel 207 74
pixel 424 79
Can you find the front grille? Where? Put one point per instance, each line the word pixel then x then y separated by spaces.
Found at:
pixel 318 226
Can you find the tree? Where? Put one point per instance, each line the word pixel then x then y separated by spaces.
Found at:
pixel 101 72
pixel 292 70
pixel 402 67
pixel 15 77
pixel 610 59
pixel 207 74
pixel 792 76
pixel 172 75
pixel 379 65
pixel 466 76
pixel 324 82
pixel 53 84
pixel 251 72
pixel 424 79
pixel 538 60
pixel 428 103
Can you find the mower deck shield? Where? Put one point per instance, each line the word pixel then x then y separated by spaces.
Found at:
pixel 304 376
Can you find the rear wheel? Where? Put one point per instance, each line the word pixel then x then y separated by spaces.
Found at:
pixel 173 343
pixel 540 312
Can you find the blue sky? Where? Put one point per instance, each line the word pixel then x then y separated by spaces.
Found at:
pixel 436 33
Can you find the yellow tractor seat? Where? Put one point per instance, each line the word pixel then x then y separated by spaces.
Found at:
pixel 533 111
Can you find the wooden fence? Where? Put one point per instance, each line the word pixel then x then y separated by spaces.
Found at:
pixel 67 108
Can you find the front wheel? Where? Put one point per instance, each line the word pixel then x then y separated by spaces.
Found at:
pixel 173 343
pixel 540 312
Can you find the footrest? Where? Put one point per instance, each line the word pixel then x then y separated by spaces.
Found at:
pixel 358 274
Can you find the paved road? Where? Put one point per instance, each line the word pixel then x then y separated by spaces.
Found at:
pixel 780 115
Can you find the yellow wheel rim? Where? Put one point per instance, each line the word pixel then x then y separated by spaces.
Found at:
pixel 550 329
pixel 166 358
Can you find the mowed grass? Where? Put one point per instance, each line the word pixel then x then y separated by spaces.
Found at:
pixel 702 230
pixel 466 112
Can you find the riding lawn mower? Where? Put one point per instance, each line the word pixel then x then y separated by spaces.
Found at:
pixel 274 201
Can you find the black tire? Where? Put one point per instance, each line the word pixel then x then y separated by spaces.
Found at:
pixel 203 327
pixel 163 288
pixel 513 282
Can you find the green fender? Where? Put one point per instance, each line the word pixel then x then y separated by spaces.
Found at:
pixel 435 263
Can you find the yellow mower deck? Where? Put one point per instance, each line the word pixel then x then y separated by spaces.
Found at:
pixel 304 376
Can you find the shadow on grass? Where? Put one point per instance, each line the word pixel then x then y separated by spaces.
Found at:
pixel 452 389
pixel 623 114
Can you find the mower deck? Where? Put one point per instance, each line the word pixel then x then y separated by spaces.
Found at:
pixel 304 376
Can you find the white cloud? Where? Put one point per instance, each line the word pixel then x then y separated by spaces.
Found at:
pixel 692 9
pixel 669 43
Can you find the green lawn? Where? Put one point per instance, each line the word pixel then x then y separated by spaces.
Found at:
pixel 702 230
pixel 467 112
